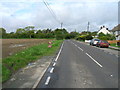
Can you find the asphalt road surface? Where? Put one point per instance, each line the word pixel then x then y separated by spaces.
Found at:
pixel 81 66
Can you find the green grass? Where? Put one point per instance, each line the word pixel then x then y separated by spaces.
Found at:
pixel 114 45
pixel 19 60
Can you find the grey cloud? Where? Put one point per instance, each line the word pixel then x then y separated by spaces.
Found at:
pixel 70 14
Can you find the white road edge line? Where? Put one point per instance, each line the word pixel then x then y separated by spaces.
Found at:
pixel 59 52
pixel 94 60
pixel 51 71
pixel 47 80
pixel 54 64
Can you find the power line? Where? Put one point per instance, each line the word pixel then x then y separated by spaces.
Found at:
pixel 51 11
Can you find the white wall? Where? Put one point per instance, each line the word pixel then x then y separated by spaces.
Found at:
pixel 104 30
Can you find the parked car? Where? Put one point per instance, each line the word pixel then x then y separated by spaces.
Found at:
pixel 93 42
pixel 102 43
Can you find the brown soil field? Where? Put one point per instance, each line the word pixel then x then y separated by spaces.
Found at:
pixel 12 46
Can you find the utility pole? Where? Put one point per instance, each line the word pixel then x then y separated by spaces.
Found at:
pixel 88 27
pixel 61 25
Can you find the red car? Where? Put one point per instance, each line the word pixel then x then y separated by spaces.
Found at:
pixel 102 43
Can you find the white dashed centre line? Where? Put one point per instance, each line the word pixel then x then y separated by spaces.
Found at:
pixel 51 71
pixel 117 56
pixel 94 60
pixel 47 80
pixel 80 48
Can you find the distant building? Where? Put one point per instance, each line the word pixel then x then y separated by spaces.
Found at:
pixel 116 32
pixel 104 30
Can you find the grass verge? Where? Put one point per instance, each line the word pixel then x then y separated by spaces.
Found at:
pixel 114 45
pixel 19 60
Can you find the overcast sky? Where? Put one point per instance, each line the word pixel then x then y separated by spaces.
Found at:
pixel 74 14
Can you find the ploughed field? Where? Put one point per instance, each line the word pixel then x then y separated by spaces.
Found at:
pixel 12 46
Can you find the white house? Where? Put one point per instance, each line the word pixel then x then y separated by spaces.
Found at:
pixel 104 30
pixel 116 32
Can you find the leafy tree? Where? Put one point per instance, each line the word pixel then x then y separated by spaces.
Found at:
pixel 101 34
pixel 20 30
pixel 2 33
pixel 28 28
pixel 30 31
pixel 94 33
pixel 39 31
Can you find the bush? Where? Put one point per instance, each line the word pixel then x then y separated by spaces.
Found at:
pixel 84 37
pixel 106 37
pixel 69 36
pixel 59 37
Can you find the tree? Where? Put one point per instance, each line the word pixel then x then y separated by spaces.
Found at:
pixel 39 31
pixel 60 33
pixel 20 30
pixel 101 34
pixel 94 33
pixel 2 33
pixel 28 28
pixel 30 31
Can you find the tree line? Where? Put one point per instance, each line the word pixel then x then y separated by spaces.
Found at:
pixel 30 32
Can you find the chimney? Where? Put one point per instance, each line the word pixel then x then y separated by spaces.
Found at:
pixel 103 26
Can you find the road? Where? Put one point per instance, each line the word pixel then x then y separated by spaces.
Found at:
pixel 78 65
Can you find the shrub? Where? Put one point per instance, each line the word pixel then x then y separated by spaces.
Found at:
pixel 84 37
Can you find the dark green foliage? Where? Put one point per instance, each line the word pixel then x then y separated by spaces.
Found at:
pixel 84 37
pixel 2 32
pixel 59 34
pixel 59 37
pixel 30 32
pixel 106 37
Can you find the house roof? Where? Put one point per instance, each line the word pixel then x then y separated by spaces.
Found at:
pixel 117 35
pixel 117 28
pixel 104 30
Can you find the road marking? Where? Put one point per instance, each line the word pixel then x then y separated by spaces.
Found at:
pixel 111 75
pixel 59 52
pixel 117 56
pixel 75 45
pixel 51 71
pixel 94 60
pixel 47 80
pixel 80 48
pixel 54 64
